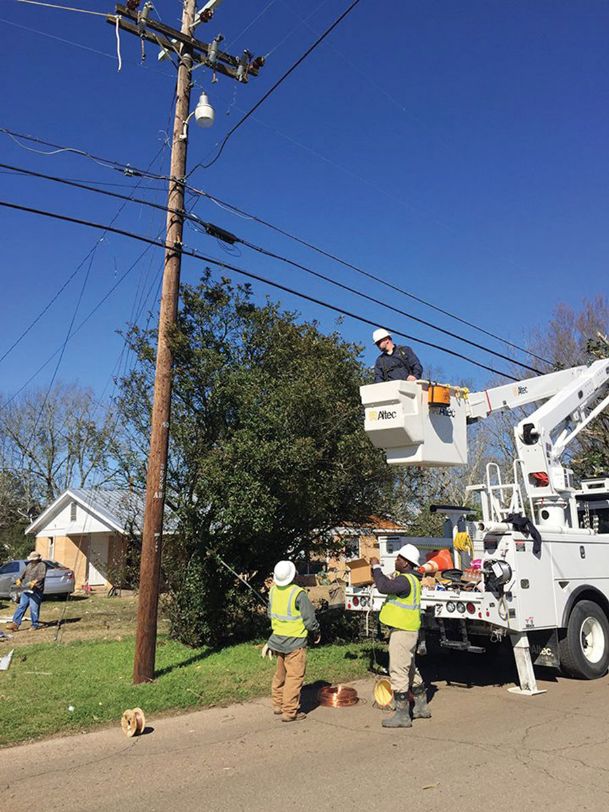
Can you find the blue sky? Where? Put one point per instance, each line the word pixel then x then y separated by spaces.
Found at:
pixel 456 148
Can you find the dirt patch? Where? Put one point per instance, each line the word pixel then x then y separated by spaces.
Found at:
pixel 82 617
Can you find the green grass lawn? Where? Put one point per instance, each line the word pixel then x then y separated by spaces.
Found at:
pixel 94 677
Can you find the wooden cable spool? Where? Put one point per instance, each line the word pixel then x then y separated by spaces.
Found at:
pixel 133 722
pixel 337 696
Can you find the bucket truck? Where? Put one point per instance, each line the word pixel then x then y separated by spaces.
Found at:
pixel 541 546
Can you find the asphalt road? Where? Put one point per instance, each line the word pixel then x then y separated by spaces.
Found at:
pixel 484 748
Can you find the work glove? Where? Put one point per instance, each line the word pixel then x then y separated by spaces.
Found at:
pixel 18 582
pixel 32 584
pixel 266 652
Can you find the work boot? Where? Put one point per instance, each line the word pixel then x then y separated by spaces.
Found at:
pixel 420 709
pixel 401 717
pixel 12 627
pixel 298 718
pixel 277 711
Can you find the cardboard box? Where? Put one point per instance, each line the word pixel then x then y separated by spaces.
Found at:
pixel 360 572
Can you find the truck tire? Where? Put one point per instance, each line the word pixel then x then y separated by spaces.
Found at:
pixel 584 647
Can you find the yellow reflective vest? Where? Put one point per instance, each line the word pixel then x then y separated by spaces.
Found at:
pixel 404 612
pixel 286 619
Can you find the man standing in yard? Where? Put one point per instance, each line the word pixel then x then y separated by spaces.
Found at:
pixel 401 612
pixel 32 582
pixel 395 363
pixel 292 617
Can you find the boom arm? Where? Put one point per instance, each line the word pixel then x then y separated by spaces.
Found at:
pixel 571 401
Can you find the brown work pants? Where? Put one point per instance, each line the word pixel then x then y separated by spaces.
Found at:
pixel 287 682
pixel 403 671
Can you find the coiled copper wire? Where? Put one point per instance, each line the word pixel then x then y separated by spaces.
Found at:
pixel 337 696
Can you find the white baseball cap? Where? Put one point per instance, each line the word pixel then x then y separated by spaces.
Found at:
pixel 380 334
pixel 410 553
pixel 284 573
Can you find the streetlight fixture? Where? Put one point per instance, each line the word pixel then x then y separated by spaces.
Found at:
pixel 203 113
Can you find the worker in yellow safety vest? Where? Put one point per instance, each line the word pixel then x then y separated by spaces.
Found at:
pixel 292 618
pixel 401 612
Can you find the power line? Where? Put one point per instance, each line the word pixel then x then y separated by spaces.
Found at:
pixel 341 285
pixel 91 254
pixel 274 87
pixel 58 148
pixel 62 349
pixel 247 215
pixel 249 274
pixel 137 172
pixel 64 8
pixel 214 231
pixel 35 321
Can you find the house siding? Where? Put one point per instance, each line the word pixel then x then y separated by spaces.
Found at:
pixel 71 551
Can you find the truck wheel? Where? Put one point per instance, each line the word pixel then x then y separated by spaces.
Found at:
pixel 584 648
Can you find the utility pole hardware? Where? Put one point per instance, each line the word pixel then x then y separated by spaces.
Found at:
pixel 190 52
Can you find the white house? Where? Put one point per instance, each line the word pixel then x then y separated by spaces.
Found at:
pixel 89 531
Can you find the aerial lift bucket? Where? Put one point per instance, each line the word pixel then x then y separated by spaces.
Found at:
pixel 416 422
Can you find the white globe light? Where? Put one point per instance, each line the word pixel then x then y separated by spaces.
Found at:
pixel 204 112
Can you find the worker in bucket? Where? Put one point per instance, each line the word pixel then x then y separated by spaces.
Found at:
pixel 292 618
pixel 395 363
pixel 401 612
pixel 32 586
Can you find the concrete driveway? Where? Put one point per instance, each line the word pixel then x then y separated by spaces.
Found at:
pixel 483 748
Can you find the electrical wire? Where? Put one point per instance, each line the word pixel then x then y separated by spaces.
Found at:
pixel 59 39
pixel 341 285
pixel 248 274
pixel 58 148
pixel 206 227
pixel 337 696
pixel 62 349
pixel 132 171
pixel 64 8
pixel 274 87
pixel 295 28
pixel 35 321
pixel 91 254
pixel 248 216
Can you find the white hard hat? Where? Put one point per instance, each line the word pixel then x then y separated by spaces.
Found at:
pixel 284 573
pixel 410 553
pixel 380 334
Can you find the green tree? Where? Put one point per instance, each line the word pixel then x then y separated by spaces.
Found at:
pixel 267 449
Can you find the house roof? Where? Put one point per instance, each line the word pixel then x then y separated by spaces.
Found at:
pixel 121 510
pixel 373 525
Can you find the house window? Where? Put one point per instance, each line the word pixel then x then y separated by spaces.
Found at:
pixel 73 512
pixel 51 553
pixel 351 548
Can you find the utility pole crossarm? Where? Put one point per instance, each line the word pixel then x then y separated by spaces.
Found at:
pixel 161 34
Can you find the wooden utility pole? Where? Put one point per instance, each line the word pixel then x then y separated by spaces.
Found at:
pixel 152 535
pixel 189 50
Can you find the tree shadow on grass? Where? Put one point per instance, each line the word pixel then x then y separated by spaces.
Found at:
pixel 194 658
